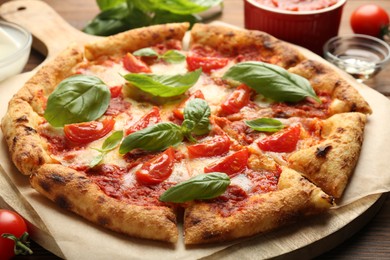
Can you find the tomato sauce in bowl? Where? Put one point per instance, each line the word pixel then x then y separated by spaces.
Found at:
pixel 298 5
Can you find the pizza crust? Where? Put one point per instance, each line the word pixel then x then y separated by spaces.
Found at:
pixel 73 191
pixel 295 198
pixel 330 164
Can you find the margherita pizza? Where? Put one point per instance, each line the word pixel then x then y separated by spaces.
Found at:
pixel 234 135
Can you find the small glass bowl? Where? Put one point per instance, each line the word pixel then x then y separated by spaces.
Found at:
pixel 362 56
pixel 15 42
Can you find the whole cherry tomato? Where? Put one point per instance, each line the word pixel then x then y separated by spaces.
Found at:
pixel 87 132
pixel 13 235
pixel 370 19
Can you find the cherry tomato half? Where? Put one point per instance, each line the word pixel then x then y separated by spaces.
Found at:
pixel 217 145
pixel 132 64
pixel 10 223
pixel 206 63
pixel 151 118
pixel 284 141
pixel 87 132
pixel 369 19
pixel 178 112
pixel 239 98
pixel 157 169
pixel 232 164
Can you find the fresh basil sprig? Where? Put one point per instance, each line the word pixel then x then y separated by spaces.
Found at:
pixel 164 85
pixel 272 81
pixel 265 124
pixel 120 15
pixel 76 99
pixel 201 187
pixel 160 136
pixel 110 143
pixel 171 56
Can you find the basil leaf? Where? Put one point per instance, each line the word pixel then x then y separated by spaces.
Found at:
pixel 95 161
pixel 198 111
pixel 112 141
pixel 77 99
pixel 200 187
pixel 272 81
pixel 173 56
pixel 164 85
pixel 265 124
pixel 146 52
pixel 108 4
pixel 186 127
pixel 153 138
pixel 184 7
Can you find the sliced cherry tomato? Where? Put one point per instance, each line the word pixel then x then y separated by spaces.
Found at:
pixel 284 141
pixel 239 98
pixel 369 19
pixel 132 64
pixel 206 63
pixel 232 164
pixel 116 91
pixel 217 145
pixel 157 169
pixel 151 118
pixel 87 132
pixel 12 223
pixel 178 112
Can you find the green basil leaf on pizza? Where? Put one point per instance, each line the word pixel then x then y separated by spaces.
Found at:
pixel 201 187
pixel 265 124
pixel 272 81
pixel 77 99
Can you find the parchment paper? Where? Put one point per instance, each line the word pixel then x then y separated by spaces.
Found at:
pixel 71 237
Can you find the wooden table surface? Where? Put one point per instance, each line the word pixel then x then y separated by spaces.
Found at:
pixel 370 242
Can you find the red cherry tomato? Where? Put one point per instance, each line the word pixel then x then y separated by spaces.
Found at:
pixel 149 119
pixel 116 91
pixel 217 145
pixel 369 19
pixel 10 223
pixel 87 132
pixel 206 63
pixel 284 141
pixel 132 64
pixel 232 164
pixel 178 112
pixel 239 98
pixel 157 169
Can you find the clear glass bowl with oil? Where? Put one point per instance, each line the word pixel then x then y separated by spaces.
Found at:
pixel 361 56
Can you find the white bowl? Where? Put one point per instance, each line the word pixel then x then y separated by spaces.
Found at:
pixel 15 46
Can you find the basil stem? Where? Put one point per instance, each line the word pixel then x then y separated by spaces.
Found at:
pixel 76 99
pixel 200 187
pixel 265 124
pixel 272 81
pixel 164 85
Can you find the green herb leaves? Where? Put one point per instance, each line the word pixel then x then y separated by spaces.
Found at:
pixel 272 81
pixel 77 99
pixel 171 56
pixel 162 135
pixel 109 144
pixel 200 187
pixel 120 15
pixel 265 124
pixel 164 85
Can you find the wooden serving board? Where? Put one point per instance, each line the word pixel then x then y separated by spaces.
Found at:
pixel 305 240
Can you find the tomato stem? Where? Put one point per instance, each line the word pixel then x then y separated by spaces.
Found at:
pixel 21 244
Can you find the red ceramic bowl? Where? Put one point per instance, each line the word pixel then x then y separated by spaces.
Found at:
pixel 309 29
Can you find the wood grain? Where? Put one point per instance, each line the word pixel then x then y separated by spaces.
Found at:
pixel 371 242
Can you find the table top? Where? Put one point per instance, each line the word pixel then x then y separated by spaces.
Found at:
pixel 370 242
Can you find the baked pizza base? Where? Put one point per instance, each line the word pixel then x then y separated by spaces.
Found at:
pixel 295 196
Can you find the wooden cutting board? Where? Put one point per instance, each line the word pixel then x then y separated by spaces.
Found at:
pixel 52 34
